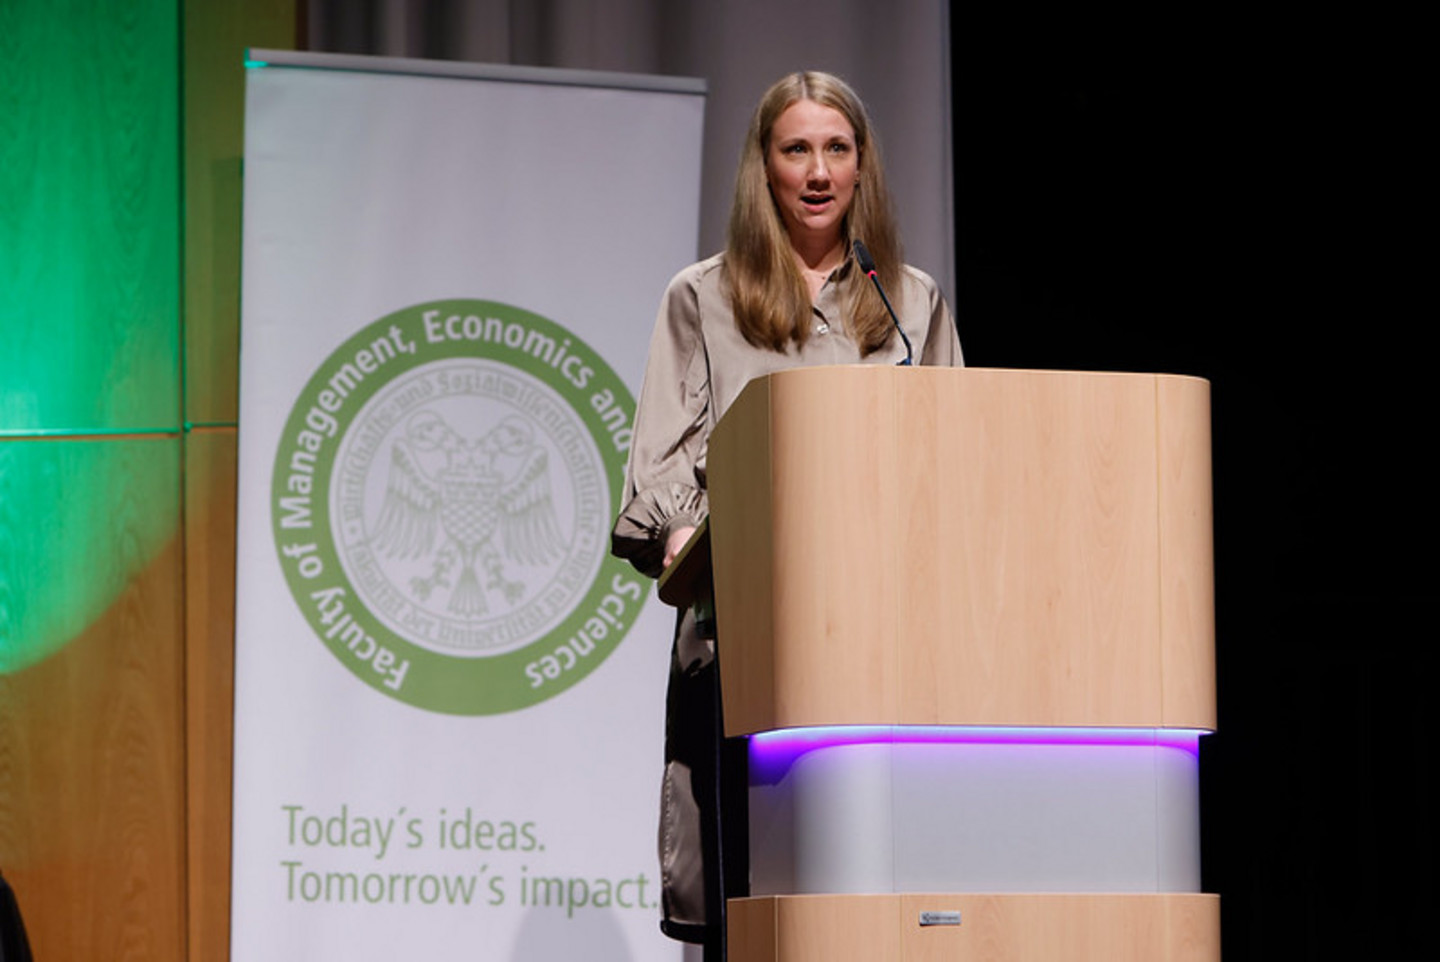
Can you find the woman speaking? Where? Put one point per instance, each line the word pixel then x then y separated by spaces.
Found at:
pixel 786 292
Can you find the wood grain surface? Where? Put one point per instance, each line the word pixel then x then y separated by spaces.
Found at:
pixel 993 928
pixel 964 547
pixel 90 216
pixel 115 748
pixel 217 34
pixel 210 460
pixel 92 770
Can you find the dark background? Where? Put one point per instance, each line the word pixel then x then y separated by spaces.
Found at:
pixel 1235 199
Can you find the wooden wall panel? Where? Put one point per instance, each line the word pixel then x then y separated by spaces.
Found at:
pixel 216 36
pixel 116 622
pixel 92 803
pixel 89 216
pixel 210 458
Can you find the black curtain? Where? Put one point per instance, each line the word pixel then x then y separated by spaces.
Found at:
pixel 1234 199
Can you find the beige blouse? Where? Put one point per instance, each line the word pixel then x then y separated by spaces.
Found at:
pixel 697 366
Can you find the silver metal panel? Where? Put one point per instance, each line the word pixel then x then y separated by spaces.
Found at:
pixel 914 817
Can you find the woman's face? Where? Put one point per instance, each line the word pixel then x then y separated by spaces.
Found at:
pixel 812 165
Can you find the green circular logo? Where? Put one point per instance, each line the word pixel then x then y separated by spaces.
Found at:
pixel 441 505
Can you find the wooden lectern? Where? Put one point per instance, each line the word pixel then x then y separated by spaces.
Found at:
pixel 969 613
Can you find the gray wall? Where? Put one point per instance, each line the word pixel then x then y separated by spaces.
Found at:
pixel 897 55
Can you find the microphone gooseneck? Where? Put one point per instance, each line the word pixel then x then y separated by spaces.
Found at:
pixel 867 264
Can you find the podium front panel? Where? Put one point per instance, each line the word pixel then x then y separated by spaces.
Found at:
pixel 964 547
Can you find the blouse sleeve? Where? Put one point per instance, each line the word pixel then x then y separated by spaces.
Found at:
pixel 942 341
pixel 665 476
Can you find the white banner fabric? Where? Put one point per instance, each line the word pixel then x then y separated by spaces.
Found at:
pixel 449 699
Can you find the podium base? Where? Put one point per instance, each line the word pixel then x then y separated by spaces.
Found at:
pixel 918 927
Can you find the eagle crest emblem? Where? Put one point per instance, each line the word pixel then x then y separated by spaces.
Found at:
pixel 475 506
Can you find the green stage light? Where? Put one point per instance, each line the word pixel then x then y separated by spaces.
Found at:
pixel 79 520
pixel 90 267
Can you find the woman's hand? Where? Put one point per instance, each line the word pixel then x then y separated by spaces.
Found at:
pixel 676 541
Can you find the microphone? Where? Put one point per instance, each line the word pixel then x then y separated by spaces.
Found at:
pixel 867 264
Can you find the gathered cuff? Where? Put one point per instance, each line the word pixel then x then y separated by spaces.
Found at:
pixel 646 522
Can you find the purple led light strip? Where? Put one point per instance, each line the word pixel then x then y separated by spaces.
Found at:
pixel 790 743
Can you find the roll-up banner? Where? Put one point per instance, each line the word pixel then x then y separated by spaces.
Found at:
pixel 449 698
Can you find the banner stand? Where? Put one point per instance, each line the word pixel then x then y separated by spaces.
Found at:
pixel 449 697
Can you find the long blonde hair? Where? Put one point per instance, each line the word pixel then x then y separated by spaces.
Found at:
pixel 767 293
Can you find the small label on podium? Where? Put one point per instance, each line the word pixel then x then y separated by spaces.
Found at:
pixel 939 918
